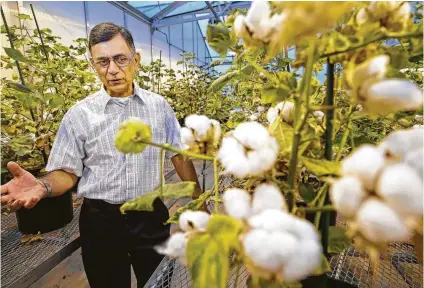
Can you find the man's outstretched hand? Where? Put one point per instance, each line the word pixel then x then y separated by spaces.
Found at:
pixel 23 190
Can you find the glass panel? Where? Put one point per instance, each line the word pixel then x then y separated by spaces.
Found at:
pixel 150 8
pixel 176 35
pixel 188 37
pixel 99 12
pixel 141 35
pixel 188 7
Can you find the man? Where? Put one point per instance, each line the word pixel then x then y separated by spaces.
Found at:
pixel 84 147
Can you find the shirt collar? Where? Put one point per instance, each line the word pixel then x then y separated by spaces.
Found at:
pixel 105 97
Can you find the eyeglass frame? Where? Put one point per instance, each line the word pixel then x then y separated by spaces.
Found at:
pixel 111 58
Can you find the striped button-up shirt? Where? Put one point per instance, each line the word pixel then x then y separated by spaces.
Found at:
pixel 84 145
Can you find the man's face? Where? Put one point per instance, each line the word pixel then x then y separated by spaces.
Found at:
pixel 118 75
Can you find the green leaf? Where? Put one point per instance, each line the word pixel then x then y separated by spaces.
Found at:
pixel 208 260
pixel 321 167
pixel 271 94
pixel 24 16
pixel 306 191
pixel 16 55
pixel 283 133
pixel 323 267
pixel 56 101
pixel 145 202
pixel 31 129
pixel 192 205
pixel 264 283
pixel 225 229
pixel 338 240
pixel 219 38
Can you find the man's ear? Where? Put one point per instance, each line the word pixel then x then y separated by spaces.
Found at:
pixel 137 59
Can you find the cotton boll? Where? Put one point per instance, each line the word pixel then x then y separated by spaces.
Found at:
pixel 362 17
pixel 200 124
pixel 319 115
pixel 304 262
pixel 268 196
pixel 254 117
pixel 187 136
pixel 373 69
pixel 263 159
pixel 365 163
pixel 417 126
pixel 239 25
pixel 261 109
pixel 302 229
pixel 415 160
pixel 379 223
pixel 347 194
pixel 232 157
pixel 197 220
pixel 400 142
pixel 174 247
pixel 258 11
pixel 287 112
pixel 402 189
pixel 251 134
pixel 392 95
pixel 237 203
pixel 272 114
pixel 260 248
pixel 217 130
pixel 271 220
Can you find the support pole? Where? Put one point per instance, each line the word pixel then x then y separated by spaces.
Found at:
pixel 328 218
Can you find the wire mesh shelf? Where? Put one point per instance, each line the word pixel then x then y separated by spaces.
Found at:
pixel 398 266
pixel 19 259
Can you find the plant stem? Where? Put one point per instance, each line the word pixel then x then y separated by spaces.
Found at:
pixel 345 135
pixel 161 173
pixel 298 127
pixel 326 208
pixel 379 38
pixel 215 175
pixel 237 275
pixel 182 152
pixel 319 194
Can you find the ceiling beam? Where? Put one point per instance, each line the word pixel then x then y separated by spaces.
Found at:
pixel 177 19
pixel 213 11
pixel 167 10
pixel 130 10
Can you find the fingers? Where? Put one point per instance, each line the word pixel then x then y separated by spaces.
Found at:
pixel 4 189
pixel 16 204
pixel 31 202
pixel 5 199
pixel 15 169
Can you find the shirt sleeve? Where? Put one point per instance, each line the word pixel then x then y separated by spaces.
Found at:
pixel 172 130
pixel 68 150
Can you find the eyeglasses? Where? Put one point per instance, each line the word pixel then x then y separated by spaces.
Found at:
pixel 120 61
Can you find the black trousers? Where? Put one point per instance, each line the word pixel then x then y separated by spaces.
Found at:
pixel 112 242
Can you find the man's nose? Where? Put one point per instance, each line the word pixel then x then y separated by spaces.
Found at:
pixel 113 68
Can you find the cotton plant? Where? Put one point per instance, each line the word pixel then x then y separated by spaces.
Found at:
pixel 378 95
pixel 284 109
pixel 381 189
pixel 200 134
pixel 393 15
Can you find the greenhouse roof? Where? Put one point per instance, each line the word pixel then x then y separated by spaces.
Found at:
pixel 164 13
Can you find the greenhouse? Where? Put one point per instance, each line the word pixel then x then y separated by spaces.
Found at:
pixel 212 144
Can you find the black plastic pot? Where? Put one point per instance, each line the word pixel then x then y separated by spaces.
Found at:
pixel 320 281
pixel 48 215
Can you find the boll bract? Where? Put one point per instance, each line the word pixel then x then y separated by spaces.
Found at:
pixel 132 136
